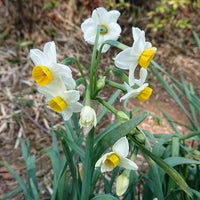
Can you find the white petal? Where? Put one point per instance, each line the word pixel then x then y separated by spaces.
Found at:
pixel 50 52
pixel 134 92
pixel 128 87
pixel 46 92
pixel 66 114
pixel 138 45
pixel 127 164
pixel 71 96
pixel 113 16
pixel 136 33
pixel 101 160
pixel 86 24
pixel 64 72
pixel 124 59
pixel 114 31
pixel 129 95
pixel 131 78
pixel 105 168
pixel 76 107
pixel 99 15
pixel 148 45
pixel 90 35
pixel 143 75
pixel 37 56
pixel 121 147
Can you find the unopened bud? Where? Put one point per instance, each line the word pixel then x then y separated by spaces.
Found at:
pixel 101 83
pixel 122 184
pixel 122 117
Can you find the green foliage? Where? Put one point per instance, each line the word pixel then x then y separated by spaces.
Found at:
pixel 30 187
pixel 121 4
pixel 50 4
pixel 169 12
pixel 170 162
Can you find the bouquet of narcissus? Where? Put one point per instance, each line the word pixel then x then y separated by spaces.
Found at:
pixel 97 163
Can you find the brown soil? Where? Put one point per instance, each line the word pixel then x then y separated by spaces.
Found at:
pixel 22 111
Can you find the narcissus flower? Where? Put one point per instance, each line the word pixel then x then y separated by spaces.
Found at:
pixel 117 157
pixel 88 117
pixel 140 53
pixel 139 89
pixel 47 70
pixel 61 100
pixel 107 20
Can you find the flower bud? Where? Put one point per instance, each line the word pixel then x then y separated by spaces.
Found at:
pixel 140 138
pixel 88 117
pixel 122 184
pixel 101 83
pixel 122 117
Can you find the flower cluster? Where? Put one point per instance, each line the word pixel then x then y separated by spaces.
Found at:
pixel 55 81
pixel 140 53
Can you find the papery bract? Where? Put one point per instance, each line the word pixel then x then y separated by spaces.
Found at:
pixel 107 20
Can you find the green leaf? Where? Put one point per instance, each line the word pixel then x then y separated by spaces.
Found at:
pixel 12 193
pixel 56 163
pixel 110 101
pixel 34 190
pixel 174 161
pixel 116 133
pixel 196 38
pixel 72 144
pixel 167 168
pixel 104 197
pixel 31 172
pixel 155 177
pixel 17 178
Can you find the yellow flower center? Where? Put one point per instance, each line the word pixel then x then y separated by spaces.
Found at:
pixel 103 29
pixel 57 104
pixel 146 57
pixel 145 94
pixel 112 160
pixel 42 75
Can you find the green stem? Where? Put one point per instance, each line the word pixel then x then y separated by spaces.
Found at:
pixel 87 96
pixel 88 168
pixel 107 105
pixel 92 66
pixel 109 42
pixel 116 85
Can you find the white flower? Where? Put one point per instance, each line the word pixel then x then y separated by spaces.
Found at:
pixel 61 100
pixel 108 22
pixel 141 53
pixel 88 117
pixel 139 89
pixel 117 157
pixel 47 70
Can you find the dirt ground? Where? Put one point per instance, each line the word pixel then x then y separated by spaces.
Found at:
pixel 22 111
